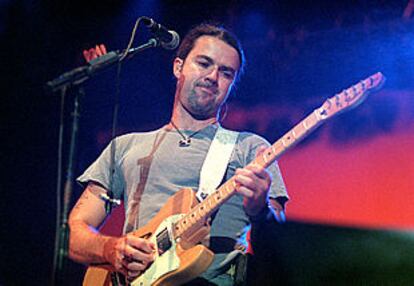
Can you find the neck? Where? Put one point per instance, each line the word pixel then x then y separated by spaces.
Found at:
pixel 184 120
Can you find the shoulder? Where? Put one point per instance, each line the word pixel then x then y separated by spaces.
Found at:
pixel 126 141
pixel 251 140
pixel 246 137
pixel 136 136
pixel 247 145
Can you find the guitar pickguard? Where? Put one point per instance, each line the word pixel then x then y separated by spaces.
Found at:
pixel 164 263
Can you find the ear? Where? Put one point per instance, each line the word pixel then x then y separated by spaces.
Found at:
pixel 177 67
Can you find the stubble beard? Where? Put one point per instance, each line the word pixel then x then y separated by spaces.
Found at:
pixel 199 108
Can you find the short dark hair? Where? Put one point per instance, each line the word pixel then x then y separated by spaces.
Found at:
pixel 214 30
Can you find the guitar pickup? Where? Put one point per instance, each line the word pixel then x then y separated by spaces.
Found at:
pixel 163 241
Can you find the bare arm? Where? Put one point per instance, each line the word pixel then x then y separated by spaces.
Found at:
pixel 86 244
pixel 128 254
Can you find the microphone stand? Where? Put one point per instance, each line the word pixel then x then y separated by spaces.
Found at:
pixel 75 78
pixel 62 247
pixel 81 74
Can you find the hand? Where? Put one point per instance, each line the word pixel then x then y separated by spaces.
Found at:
pixel 253 182
pixel 129 255
pixel 93 53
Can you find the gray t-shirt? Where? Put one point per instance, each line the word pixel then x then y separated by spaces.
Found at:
pixel 150 167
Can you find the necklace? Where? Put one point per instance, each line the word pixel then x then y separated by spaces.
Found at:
pixel 186 140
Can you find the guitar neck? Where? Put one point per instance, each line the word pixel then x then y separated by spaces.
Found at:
pixel 202 211
pixel 342 101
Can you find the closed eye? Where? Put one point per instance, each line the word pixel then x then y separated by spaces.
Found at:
pixel 203 64
pixel 228 74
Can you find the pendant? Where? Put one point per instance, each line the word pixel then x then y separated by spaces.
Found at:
pixel 184 142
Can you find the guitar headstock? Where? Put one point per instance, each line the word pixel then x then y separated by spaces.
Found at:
pixel 351 97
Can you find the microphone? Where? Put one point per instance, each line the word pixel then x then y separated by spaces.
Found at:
pixel 169 39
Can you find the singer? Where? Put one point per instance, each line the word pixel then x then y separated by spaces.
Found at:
pixel 151 167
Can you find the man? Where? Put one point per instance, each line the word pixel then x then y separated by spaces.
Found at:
pixel 150 167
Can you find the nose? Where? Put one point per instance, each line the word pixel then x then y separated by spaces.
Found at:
pixel 212 75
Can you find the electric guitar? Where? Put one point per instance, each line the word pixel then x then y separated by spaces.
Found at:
pixel 181 223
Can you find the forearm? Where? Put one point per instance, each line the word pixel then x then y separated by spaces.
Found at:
pixel 272 211
pixel 87 245
pixel 129 255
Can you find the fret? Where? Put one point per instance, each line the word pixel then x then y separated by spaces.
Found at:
pixel 299 131
pixel 268 152
pixel 228 188
pixel 278 147
pixel 260 160
pixel 195 215
pixel 218 197
pixel 350 96
pixel 304 122
pixel 209 201
pixel 201 209
pixel 339 102
pixel 233 182
pixel 266 157
pixel 182 226
pixel 311 122
pixel 184 223
pixel 286 140
pixel 297 128
pixel 213 198
pixel 221 194
pixel 191 217
pixel 296 132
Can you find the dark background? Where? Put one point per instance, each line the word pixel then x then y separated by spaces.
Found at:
pixel 297 51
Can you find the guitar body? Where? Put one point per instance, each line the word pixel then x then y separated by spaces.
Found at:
pixel 183 261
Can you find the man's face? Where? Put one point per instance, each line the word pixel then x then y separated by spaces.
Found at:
pixel 206 76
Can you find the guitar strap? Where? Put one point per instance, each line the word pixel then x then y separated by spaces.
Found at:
pixel 211 175
pixel 217 159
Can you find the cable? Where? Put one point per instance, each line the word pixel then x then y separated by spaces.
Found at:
pixel 109 202
pixel 131 39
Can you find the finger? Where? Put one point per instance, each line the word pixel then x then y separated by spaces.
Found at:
pixel 86 55
pixel 245 181
pixel 253 178
pixel 133 274
pixel 98 51
pixel 119 265
pixel 260 150
pixel 137 255
pixel 103 48
pixel 122 269
pixel 258 171
pixel 92 54
pixel 141 244
pixel 245 192
pixel 246 171
pixel 134 265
